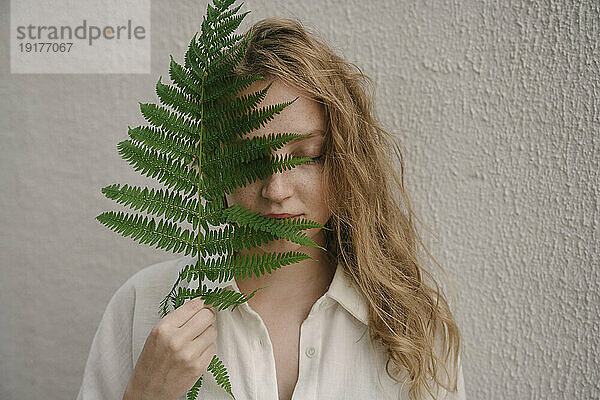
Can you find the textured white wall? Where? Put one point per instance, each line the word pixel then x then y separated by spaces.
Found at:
pixel 497 107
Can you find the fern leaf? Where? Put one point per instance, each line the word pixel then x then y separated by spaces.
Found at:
pixel 235 107
pixel 242 266
pixel 176 147
pixel 232 239
pixel 219 371
pixel 238 152
pixel 170 122
pixel 157 165
pixel 165 235
pixel 227 181
pixel 255 220
pixel 193 392
pixel 176 98
pixel 181 77
pixel 158 203
pixel 224 298
pixel 224 63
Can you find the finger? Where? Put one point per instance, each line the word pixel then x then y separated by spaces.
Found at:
pixel 183 313
pixel 197 324
pixel 205 344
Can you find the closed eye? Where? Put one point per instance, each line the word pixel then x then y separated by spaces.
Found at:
pixel 315 160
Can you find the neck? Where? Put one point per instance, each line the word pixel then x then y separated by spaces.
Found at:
pixel 294 287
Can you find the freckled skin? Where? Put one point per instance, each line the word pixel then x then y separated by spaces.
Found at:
pixel 297 190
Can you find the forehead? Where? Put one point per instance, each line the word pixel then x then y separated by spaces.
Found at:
pixel 304 115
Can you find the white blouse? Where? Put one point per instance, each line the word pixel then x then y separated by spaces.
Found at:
pixel 336 360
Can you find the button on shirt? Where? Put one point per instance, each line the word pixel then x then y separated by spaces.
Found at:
pixel 336 359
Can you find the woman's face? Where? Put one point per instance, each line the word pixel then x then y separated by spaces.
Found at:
pixel 297 191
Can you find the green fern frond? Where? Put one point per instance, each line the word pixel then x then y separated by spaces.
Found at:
pixel 166 235
pixel 241 104
pixel 237 153
pixel 231 239
pixel 183 80
pixel 223 15
pixel 219 371
pixel 192 272
pixel 164 304
pixel 235 106
pixel 230 128
pixel 227 181
pixel 227 267
pixel 170 204
pixel 193 392
pixel 196 58
pixel 223 87
pixel 170 122
pixel 177 99
pixel 184 294
pixel 222 298
pixel 177 147
pixel 256 220
pixel 200 123
pixel 242 266
pixel 157 165
pixel 222 33
pixel 224 63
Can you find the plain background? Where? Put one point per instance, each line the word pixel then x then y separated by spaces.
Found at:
pixel 496 105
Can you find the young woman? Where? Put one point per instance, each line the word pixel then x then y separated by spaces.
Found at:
pixel 304 335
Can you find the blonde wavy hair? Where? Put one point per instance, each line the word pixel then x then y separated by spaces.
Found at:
pixel 373 234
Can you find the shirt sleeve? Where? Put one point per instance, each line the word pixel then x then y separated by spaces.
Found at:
pixel 110 364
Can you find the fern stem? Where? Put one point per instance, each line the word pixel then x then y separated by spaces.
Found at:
pixel 200 162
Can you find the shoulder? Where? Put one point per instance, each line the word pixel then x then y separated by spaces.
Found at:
pixel 157 276
pixel 123 329
pixel 141 296
pixel 145 289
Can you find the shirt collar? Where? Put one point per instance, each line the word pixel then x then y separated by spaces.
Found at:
pixel 341 290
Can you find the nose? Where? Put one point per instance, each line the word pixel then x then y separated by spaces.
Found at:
pixel 278 186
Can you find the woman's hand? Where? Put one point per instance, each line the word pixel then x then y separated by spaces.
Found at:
pixel 177 352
